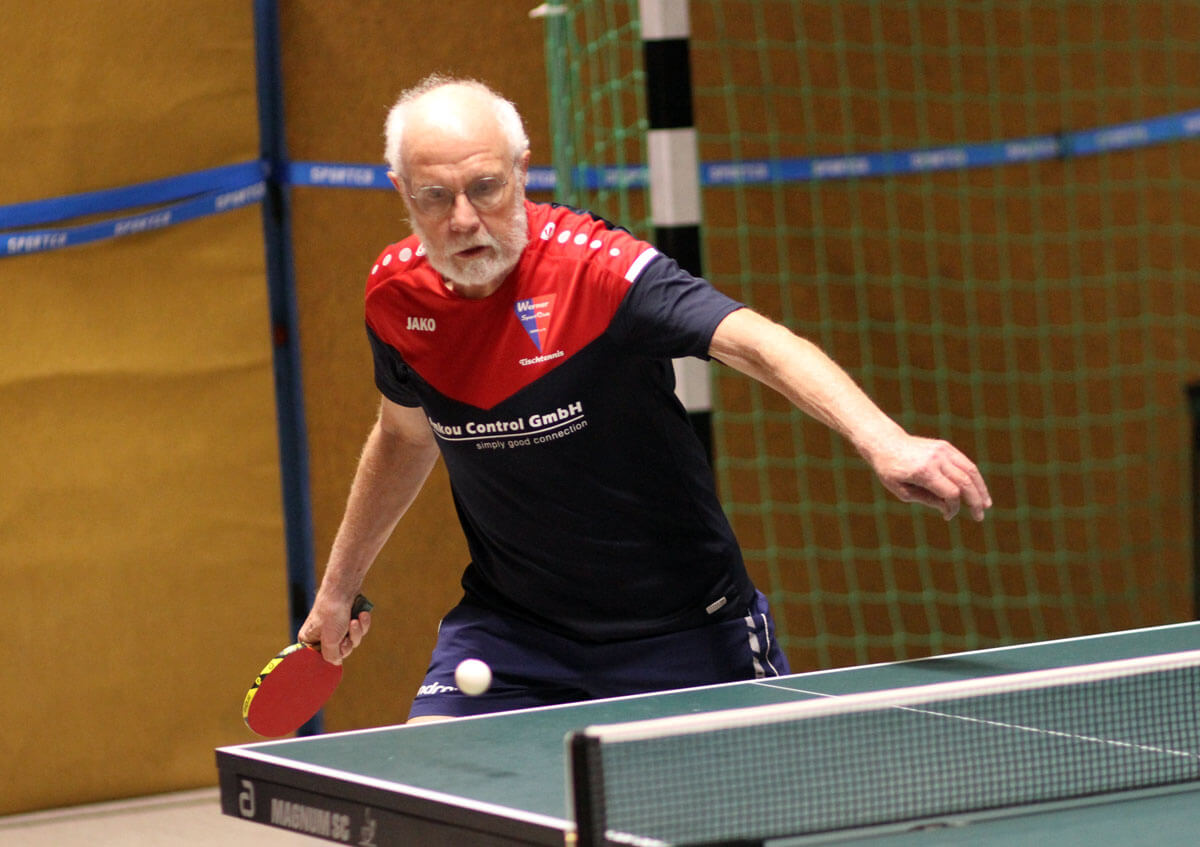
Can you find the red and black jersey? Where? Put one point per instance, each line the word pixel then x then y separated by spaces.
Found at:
pixel 585 496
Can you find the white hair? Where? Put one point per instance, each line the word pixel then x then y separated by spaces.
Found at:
pixel 506 115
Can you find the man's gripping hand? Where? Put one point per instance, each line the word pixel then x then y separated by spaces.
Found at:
pixel 329 625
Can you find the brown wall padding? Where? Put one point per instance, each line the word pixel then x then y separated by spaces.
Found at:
pixel 140 521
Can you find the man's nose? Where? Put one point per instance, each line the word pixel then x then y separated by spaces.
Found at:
pixel 463 217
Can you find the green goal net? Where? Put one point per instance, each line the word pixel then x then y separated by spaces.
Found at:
pixel 989 214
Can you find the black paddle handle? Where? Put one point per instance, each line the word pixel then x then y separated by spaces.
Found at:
pixel 361 604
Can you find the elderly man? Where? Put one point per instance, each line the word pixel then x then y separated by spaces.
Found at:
pixel 529 345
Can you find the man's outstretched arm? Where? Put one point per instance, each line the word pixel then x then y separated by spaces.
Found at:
pixel 915 469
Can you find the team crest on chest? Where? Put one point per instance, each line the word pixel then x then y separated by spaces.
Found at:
pixel 534 315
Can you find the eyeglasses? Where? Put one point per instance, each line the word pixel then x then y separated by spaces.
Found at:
pixel 484 194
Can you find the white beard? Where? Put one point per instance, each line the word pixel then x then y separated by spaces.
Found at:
pixel 487 269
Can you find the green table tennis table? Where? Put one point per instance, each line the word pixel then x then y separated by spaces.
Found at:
pixel 501 780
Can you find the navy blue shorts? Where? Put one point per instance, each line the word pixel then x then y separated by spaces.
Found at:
pixel 534 667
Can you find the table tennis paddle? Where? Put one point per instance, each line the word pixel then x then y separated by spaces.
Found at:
pixel 293 686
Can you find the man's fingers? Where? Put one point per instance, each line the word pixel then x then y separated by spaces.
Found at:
pixel 331 651
pixel 974 491
pixel 354 635
pixel 955 479
pixel 964 491
pixel 947 481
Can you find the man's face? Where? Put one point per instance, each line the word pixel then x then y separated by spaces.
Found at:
pixel 469 206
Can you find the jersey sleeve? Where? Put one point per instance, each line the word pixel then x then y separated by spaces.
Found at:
pixel 393 377
pixel 669 312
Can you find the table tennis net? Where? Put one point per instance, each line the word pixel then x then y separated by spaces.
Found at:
pixel 744 776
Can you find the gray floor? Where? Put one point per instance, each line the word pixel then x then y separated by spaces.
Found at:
pixel 186 818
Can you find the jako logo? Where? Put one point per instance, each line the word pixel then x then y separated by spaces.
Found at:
pixel 421 324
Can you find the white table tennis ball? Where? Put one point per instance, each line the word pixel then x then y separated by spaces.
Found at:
pixel 473 677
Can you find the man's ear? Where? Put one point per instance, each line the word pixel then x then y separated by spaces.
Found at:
pixel 396 182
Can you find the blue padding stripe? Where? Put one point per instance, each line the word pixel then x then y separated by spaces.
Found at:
pixel 351 175
pixel 167 190
pixel 337 175
pixel 219 189
pixel 991 154
pixel 35 241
